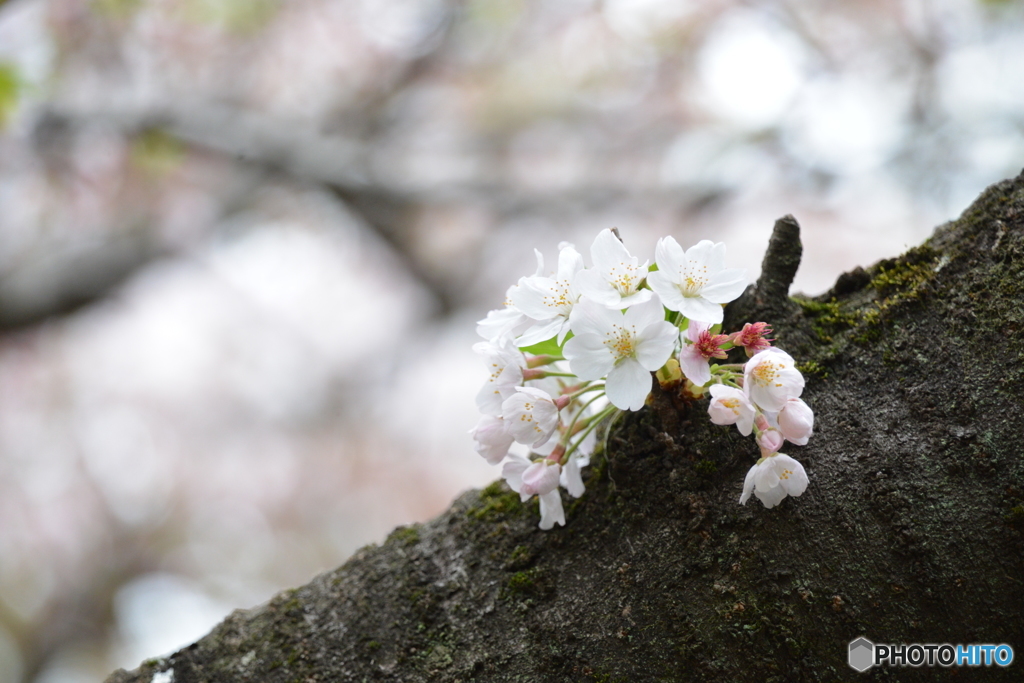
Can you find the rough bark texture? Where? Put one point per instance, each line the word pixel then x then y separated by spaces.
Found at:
pixel 912 528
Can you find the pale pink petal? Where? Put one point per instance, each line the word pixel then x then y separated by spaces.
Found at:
pixel 694 365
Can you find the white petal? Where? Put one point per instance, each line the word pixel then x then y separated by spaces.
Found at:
pixel 771 497
pixel 699 308
pixel 542 331
pixel 795 482
pixel 608 252
pixel 512 473
pixel 592 285
pixel 570 262
pixel 666 289
pixel 671 260
pixel 748 485
pixel 628 385
pixel 500 322
pixel 535 296
pixel 640 296
pixel 590 317
pixel 656 344
pixel 551 510
pixel 571 478
pixel 725 286
pixel 496 389
pixel 588 357
pixel 700 258
pixel 492 439
pixel 766 476
pixel 645 314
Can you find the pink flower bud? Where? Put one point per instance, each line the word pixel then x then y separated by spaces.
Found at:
pixel 770 441
pixel 540 478
pixel 796 420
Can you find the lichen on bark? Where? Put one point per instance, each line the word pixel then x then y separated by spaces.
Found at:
pixel 912 529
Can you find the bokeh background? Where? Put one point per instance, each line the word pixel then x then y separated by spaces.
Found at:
pixel 243 244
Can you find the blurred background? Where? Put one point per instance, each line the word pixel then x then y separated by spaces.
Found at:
pixel 243 244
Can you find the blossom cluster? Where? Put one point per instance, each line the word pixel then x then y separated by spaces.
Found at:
pixel 572 349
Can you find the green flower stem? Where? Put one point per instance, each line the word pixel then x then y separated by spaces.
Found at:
pixel 572 425
pixel 594 422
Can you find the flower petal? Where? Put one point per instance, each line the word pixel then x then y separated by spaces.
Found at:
pixel 571 478
pixel 725 286
pixel 671 260
pixel 551 510
pixel 699 308
pixel 666 289
pixel 541 331
pixel 748 485
pixel 771 497
pixel 628 385
pixel 608 252
pixel 588 357
pixel 656 344
pixel 592 285
pixel 644 314
pixel 694 365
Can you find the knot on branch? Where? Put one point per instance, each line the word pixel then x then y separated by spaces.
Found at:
pixel 769 296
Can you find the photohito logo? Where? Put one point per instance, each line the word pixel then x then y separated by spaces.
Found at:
pixel 863 654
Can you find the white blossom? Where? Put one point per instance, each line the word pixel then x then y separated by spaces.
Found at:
pixel 615 279
pixel 773 478
pixel 695 282
pixel 492 438
pixel 731 406
pixel 796 421
pixel 770 378
pixel 626 347
pixel 508 322
pixel 531 415
pixel 548 301
pixel 505 363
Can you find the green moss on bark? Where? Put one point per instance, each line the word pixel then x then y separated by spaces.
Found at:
pixel 911 529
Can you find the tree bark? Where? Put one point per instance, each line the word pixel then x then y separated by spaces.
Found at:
pixel 911 531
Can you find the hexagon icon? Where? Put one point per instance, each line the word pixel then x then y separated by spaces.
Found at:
pixel 862 654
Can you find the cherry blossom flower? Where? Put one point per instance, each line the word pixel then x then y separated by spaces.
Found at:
pixel 770 379
pixel 615 278
pixel 752 338
pixel 695 282
pixel 549 300
pixel 531 415
pixel 505 363
pixel 694 358
pixel 731 406
pixel 508 322
pixel 492 438
pixel 796 420
pixel 540 479
pixel 626 347
pixel 773 478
